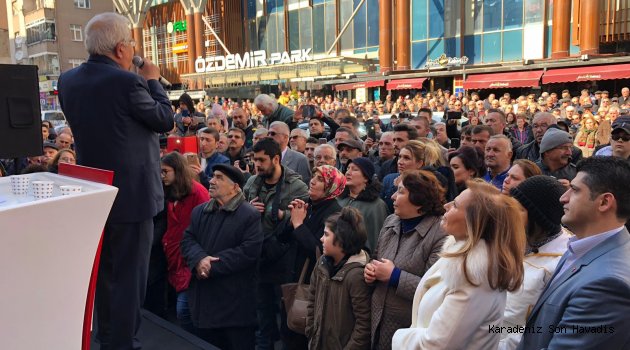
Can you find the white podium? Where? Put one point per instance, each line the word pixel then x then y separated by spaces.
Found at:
pixel 47 249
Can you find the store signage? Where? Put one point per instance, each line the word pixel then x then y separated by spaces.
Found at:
pixel 499 84
pixel 589 76
pixel 443 62
pixel 250 59
pixel 179 26
pixel 181 48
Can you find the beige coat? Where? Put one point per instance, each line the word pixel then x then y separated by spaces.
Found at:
pixel 413 253
pixel 539 268
pixel 449 312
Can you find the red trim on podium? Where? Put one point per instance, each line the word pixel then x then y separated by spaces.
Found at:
pixel 104 177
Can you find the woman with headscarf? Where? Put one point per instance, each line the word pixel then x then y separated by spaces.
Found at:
pixel 306 227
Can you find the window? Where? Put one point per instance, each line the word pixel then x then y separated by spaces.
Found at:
pixel 82 4
pixel 75 62
pixel 40 31
pixel 77 32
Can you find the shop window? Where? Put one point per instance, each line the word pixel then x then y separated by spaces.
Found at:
pixel 372 23
pixel 419 20
pixel 280 34
pixel 512 14
pixel 472 48
pixel 251 9
pixel 294 30
pixel 452 14
pixel 275 6
pixel 306 29
pixel 272 34
pixel 330 32
pixel 492 13
pixel 345 11
pixel 513 45
pixel 436 18
pixel 318 27
pixel 262 33
pixel 491 47
pixel 418 54
pixel 360 39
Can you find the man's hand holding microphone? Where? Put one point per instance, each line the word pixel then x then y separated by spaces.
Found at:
pixel 149 71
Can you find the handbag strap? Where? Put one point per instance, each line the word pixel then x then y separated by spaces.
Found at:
pixel 304 268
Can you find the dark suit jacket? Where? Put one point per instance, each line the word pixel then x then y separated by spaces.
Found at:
pixel 297 162
pixel 115 116
pixel 593 293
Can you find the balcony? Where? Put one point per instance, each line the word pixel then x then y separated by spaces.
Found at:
pixel 41 14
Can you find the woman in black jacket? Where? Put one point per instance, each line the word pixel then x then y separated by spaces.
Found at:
pixel 307 227
pixel 307 218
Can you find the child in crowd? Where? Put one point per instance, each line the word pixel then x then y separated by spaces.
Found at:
pixel 339 299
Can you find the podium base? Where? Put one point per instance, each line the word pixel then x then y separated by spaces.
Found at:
pixel 158 334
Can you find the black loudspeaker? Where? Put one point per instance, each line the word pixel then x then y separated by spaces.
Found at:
pixel 20 116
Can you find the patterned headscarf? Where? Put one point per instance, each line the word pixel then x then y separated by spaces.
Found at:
pixel 334 181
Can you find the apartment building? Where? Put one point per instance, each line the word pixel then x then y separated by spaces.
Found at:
pixel 4 36
pixel 49 34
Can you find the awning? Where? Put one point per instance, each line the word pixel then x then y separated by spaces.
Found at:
pixel 403 84
pixel 362 84
pixel 503 80
pixel 564 75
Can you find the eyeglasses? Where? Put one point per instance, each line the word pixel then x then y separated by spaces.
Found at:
pixel 165 172
pixel 620 137
pixel 131 42
pixel 294 137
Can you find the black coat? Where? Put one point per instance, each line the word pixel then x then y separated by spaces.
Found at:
pixel 115 116
pixel 307 236
pixel 227 298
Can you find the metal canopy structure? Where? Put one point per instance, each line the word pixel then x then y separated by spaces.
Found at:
pixel 335 66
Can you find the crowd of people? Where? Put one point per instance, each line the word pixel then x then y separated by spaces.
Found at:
pixel 415 231
pixel 498 223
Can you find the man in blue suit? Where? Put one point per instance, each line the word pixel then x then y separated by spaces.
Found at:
pixel 116 116
pixel 586 305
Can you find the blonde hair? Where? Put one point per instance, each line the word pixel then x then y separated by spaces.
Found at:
pixel 424 151
pixel 497 220
pixel 432 153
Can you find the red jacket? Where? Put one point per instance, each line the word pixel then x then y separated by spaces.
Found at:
pixel 178 219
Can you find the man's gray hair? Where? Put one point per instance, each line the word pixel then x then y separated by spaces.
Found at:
pixel 104 31
pixel 319 148
pixel 507 140
pixel 550 118
pixel 260 131
pixel 281 126
pixel 299 132
pixel 266 100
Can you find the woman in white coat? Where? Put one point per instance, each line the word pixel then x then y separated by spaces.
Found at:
pixel 546 243
pixel 461 298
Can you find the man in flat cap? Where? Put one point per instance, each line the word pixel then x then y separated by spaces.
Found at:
pixel 222 246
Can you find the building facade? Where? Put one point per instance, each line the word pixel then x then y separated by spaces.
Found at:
pixel 367 47
pixel 49 34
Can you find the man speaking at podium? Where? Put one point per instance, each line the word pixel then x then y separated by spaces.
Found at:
pixel 115 116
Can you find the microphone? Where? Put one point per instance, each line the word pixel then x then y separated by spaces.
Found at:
pixel 139 62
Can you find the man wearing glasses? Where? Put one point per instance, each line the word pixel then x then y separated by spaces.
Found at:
pixel 106 104
pixel 619 140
